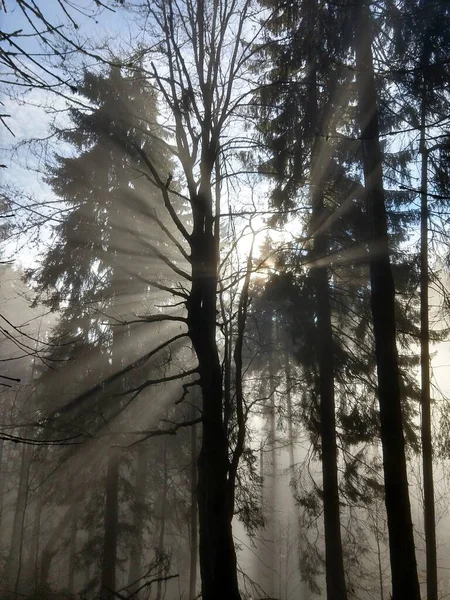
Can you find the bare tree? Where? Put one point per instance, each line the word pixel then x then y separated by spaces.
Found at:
pixel 198 63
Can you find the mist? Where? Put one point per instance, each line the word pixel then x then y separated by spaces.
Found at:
pixel 224 300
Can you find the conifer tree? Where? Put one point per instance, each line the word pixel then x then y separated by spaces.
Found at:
pixel 94 273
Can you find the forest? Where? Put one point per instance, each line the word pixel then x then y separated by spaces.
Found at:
pixel 224 299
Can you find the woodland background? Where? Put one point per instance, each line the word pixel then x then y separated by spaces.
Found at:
pixel 224 303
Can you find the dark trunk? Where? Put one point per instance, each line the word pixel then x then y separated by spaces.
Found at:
pixel 14 560
pixel 289 411
pixel 405 582
pixel 50 548
pixel 194 521
pixel 162 519
pixel 72 553
pixel 427 446
pixel 33 569
pixel 46 563
pixel 2 484
pixel 217 552
pixel 270 557
pixel 334 559
pixel 108 574
pixel 135 572
pixel 87 572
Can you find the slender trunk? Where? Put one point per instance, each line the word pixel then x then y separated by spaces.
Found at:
pixel 72 553
pixel 46 563
pixel 162 517
pixel 135 572
pixel 405 582
pixel 108 574
pixel 427 446
pixel 377 539
pixel 289 411
pixel 34 554
pixel 87 573
pixel 271 545
pixel 13 563
pixel 50 548
pixel 194 523
pixel 217 553
pixel 2 484
pixel 334 559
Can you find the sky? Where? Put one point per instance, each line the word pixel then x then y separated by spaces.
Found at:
pixel 33 112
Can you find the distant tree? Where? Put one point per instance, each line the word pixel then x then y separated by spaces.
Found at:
pixel 424 31
pixel 102 188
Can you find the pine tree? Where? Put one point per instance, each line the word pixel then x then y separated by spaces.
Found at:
pixel 424 30
pixel 94 273
pixel 401 538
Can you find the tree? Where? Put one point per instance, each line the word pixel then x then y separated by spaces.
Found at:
pixel 201 101
pixel 425 34
pixel 101 230
pixel 32 53
pixel 401 538
pixel 296 122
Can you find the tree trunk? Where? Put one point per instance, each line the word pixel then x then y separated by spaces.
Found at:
pixel 194 520
pixel 46 563
pixel 405 582
pixel 50 548
pixel 427 446
pixel 135 572
pixel 271 545
pixel 162 518
pixel 108 574
pixel 33 569
pixel 217 553
pixel 334 559
pixel 87 572
pixel 2 483
pixel 72 553
pixel 289 411
pixel 14 560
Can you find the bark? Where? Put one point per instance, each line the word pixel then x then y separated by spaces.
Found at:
pixel 162 518
pixel 427 446
pixel 135 572
pixel 271 559
pixel 217 553
pixel 108 573
pixel 46 563
pixel 87 573
pixel 72 553
pixel 193 517
pixel 289 411
pixel 401 539
pixel 2 483
pixel 50 548
pixel 334 560
pixel 33 569
pixel 13 564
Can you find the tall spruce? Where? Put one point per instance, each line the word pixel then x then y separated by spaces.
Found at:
pixel 102 232
pixel 423 79
pixel 405 581
pixel 299 100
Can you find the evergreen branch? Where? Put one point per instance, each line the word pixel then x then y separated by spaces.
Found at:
pixel 118 374
pixel 158 432
pixel 149 382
